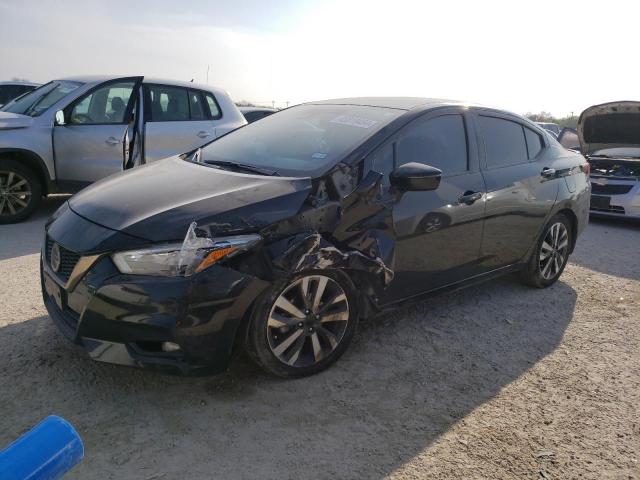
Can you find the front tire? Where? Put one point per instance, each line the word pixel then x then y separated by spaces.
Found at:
pixel 301 326
pixel 551 254
pixel 20 191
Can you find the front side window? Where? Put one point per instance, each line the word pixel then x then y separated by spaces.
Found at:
pixel 440 142
pixel 381 161
pixel 301 141
pixel 504 142
pixel 42 98
pixel 168 104
pixel 105 105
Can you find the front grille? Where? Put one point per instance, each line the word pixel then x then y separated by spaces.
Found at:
pixel 68 260
pixel 611 189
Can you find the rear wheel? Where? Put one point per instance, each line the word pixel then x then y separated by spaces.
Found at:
pixel 20 191
pixel 304 326
pixel 551 254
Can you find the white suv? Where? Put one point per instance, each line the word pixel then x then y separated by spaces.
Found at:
pixel 69 133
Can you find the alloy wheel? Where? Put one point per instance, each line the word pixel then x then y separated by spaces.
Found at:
pixel 15 193
pixel 307 321
pixel 553 251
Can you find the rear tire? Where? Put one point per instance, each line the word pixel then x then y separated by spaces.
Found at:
pixel 20 191
pixel 292 337
pixel 551 254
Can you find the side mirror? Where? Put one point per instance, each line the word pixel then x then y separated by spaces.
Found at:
pixel 59 119
pixel 415 177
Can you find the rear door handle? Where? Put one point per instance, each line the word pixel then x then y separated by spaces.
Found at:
pixel 112 141
pixel 470 197
pixel 203 134
pixel 548 172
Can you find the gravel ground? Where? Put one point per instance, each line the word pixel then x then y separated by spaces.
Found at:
pixel 497 381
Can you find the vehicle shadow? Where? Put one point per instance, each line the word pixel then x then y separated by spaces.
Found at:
pixel 408 378
pixel 25 238
pixel 610 245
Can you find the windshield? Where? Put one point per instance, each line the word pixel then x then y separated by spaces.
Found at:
pixel 300 141
pixel 38 101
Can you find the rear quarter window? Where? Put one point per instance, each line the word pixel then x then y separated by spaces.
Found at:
pixel 534 143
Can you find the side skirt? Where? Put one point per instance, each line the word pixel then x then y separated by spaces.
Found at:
pixel 452 287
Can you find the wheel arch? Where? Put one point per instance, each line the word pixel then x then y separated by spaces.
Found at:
pixel 573 220
pixel 34 162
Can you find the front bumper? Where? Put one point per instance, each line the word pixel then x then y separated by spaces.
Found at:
pixel 615 198
pixel 124 319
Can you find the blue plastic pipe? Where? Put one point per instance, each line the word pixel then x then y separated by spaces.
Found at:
pixel 46 452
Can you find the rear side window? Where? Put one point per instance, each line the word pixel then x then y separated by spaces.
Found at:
pixel 168 104
pixel 196 105
pixel 440 142
pixel 504 142
pixel 534 143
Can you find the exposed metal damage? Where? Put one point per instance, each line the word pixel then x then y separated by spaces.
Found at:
pixel 330 231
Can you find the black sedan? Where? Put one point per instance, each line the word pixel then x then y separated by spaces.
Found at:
pixel 281 235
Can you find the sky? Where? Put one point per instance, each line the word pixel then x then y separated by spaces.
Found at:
pixel 559 56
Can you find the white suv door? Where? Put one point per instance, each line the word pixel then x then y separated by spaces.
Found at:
pixel 177 119
pixel 90 143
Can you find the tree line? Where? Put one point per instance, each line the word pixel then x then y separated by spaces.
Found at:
pixel 568 121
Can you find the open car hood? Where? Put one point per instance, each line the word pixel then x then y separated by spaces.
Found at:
pixel 610 125
pixel 158 201
pixel 10 121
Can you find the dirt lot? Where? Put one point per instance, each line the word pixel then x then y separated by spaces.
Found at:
pixel 498 381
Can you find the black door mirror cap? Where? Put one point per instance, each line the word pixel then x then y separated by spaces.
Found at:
pixel 415 177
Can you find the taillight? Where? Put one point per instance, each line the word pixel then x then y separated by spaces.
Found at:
pixel 586 168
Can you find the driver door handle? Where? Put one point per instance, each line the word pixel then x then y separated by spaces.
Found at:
pixel 203 134
pixel 470 197
pixel 548 172
pixel 112 141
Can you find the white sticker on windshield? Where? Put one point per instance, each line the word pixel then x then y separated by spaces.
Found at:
pixel 319 155
pixel 354 121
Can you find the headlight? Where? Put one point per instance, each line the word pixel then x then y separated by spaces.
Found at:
pixel 182 259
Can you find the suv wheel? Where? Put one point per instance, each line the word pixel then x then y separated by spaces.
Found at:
pixel 20 191
pixel 304 326
pixel 551 254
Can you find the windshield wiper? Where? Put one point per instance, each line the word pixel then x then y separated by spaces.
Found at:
pixel 242 167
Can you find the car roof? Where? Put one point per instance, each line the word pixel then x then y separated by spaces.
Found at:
pixel 20 82
pixel 257 109
pixel 163 81
pixel 399 103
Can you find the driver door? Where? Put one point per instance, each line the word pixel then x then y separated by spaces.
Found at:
pixel 92 141
pixel 438 233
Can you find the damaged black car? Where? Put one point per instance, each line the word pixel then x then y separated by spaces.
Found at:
pixel 280 236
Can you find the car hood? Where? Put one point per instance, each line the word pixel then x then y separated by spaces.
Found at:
pixel 610 125
pixel 160 200
pixel 10 121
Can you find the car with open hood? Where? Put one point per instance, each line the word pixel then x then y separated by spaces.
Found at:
pixel 279 236
pixel 609 136
pixel 71 132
